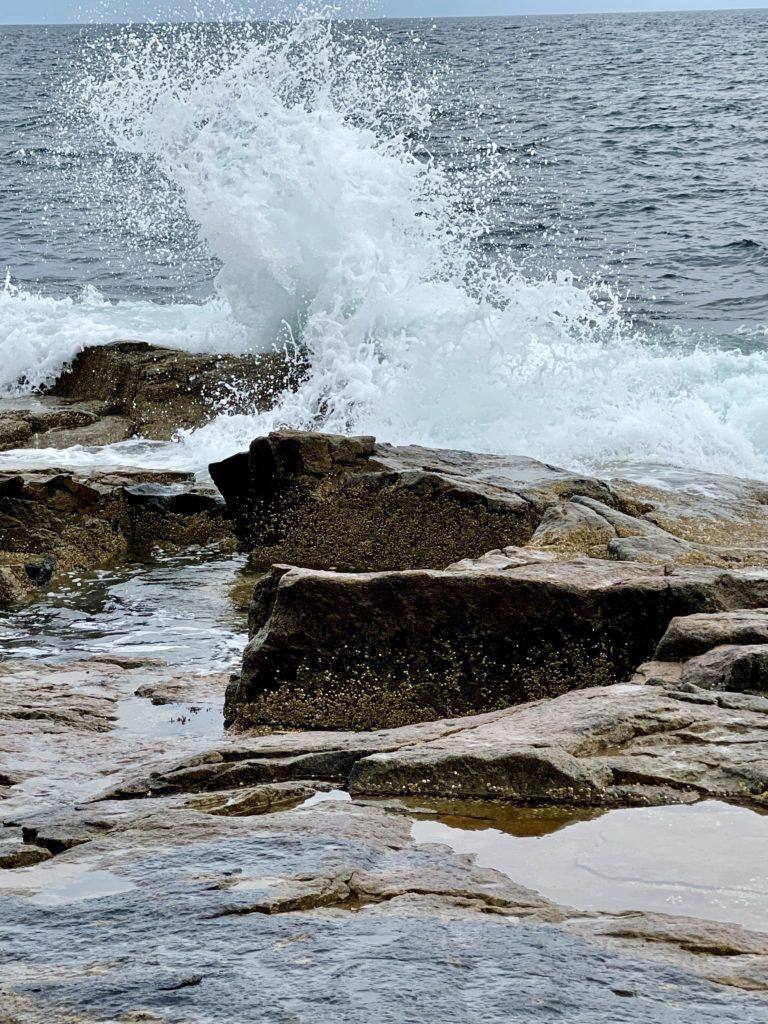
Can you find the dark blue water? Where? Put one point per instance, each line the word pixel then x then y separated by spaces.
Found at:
pixel 543 236
pixel 637 147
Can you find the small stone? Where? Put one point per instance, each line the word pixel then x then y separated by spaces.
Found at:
pixel 21 855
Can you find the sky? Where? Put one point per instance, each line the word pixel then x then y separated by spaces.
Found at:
pixel 58 11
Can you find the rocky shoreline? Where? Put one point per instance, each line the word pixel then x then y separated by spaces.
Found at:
pixel 423 625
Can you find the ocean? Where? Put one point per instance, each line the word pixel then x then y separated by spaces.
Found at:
pixel 543 236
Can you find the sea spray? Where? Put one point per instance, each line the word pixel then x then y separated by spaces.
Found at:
pixel 39 334
pixel 301 154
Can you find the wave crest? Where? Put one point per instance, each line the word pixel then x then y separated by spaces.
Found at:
pixel 300 151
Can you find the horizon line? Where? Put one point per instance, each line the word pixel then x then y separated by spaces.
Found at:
pixel 387 17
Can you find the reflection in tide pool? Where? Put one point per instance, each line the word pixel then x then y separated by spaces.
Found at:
pixel 56 884
pixel 177 622
pixel 176 609
pixel 708 860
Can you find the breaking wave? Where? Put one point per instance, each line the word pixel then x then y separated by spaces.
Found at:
pixel 301 154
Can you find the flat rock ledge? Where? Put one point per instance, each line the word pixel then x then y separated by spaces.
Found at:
pixel 632 744
pixel 285 902
pixel 208 851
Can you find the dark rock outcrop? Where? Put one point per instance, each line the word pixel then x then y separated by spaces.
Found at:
pixel 323 501
pixel 375 631
pixel 111 393
pixel 372 650
pixel 54 521
pixel 157 391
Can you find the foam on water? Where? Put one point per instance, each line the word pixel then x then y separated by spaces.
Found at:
pixel 293 149
pixel 40 334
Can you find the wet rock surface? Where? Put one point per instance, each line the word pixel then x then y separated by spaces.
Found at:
pixel 295 901
pixel 578 589
pixel 153 868
pixel 146 391
pixel 623 745
pixel 54 521
pixel 40 421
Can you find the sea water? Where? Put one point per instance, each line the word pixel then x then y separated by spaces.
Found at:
pixel 539 236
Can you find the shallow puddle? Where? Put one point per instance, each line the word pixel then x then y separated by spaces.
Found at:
pixel 709 860
pixel 54 885
pixel 138 717
pixel 175 609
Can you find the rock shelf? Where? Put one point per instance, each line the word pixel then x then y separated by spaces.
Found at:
pixel 426 625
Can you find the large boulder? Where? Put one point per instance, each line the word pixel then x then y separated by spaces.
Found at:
pixel 373 650
pixel 554 580
pixel 326 501
pixel 330 502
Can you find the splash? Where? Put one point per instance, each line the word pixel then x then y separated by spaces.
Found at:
pixel 300 151
pixel 40 334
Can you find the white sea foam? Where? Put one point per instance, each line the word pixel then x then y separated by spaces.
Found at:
pixel 39 335
pixel 292 153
